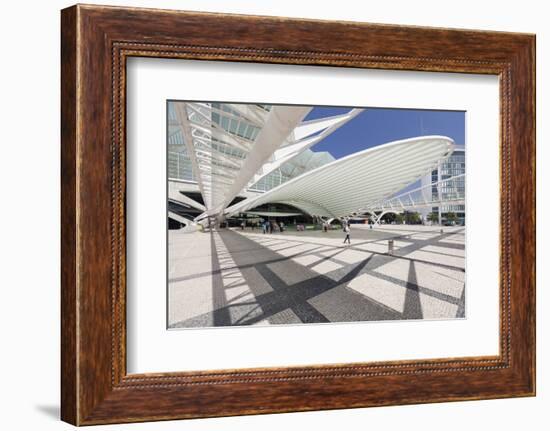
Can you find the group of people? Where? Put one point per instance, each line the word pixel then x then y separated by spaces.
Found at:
pixel 270 226
pixel 266 225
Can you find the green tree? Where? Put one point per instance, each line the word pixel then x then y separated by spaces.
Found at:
pixel 389 217
pixel 433 217
pixel 452 217
pixel 399 218
pixel 412 217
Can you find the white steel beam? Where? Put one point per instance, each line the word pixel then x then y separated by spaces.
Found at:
pixel 175 195
pixel 279 123
pixel 360 180
pixel 254 114
pixel 181 114
pixel 298 141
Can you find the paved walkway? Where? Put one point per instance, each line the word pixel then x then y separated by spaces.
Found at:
pixel 229 277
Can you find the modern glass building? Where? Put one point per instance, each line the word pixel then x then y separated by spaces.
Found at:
pixel 453 166
pixel 180 165
pixel 179 162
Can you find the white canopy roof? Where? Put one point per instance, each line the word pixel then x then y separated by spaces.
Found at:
pixel 232 146
pixel 348 184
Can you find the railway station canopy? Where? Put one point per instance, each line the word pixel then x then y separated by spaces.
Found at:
pixel 262 154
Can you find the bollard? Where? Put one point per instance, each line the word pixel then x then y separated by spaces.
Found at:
pixel 390 246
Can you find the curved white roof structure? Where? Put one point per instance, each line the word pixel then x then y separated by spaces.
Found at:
pixel 344 186
pixel 232 146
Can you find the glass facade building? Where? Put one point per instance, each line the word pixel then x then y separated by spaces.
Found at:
pixel 180 165
pixel 455 165
pixel 179 162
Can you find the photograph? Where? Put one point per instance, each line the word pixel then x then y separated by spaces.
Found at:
pixel 263 215
pixel 290 214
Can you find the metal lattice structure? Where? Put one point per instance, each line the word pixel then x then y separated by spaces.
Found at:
pixel 230 147
pixel 358 181
pixel 449 191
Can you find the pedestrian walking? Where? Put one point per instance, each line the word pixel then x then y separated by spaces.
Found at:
pixel 282 226
pixel 264 227
pixel 346 231
pixel 242 225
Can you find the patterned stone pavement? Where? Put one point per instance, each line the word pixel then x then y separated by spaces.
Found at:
pixel 233 277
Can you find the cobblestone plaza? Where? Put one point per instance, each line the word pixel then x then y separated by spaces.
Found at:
pixel 232 277
pixel 303 176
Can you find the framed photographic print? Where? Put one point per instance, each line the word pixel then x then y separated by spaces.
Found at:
pixel 263 217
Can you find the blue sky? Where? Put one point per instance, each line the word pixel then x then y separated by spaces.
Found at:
pixel 376 126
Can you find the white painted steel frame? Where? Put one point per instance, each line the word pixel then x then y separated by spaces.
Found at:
pixel 416 198
pixel 340 188
pixel 278 134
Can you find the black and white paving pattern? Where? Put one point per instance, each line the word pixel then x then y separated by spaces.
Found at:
pixel 233 277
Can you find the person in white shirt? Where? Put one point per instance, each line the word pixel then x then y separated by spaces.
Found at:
pixel 346 230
